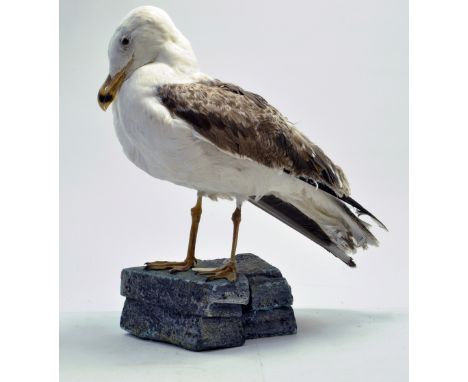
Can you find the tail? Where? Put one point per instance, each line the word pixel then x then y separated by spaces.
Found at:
pixel 323 219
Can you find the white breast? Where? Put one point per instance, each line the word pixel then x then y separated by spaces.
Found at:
pixel 167 147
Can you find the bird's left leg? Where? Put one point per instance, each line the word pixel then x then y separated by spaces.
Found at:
pixel 189 262
pixel 228 271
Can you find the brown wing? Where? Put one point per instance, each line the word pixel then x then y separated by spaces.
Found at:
pixel 244 124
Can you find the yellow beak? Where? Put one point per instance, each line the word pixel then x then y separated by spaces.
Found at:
pixel 109 89
pixel 111 86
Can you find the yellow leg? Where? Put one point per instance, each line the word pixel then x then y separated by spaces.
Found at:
pixel 189 262
pixel 229 270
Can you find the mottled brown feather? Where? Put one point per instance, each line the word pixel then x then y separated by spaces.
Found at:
pixel 245 124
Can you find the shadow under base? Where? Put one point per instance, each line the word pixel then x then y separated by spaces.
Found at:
pixel 186 310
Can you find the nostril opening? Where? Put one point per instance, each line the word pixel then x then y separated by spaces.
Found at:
pixel 105 98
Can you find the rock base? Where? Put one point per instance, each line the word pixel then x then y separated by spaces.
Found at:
pixel 186 310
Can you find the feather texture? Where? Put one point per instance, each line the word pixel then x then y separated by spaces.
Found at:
pixel 293 217
pixel 245 124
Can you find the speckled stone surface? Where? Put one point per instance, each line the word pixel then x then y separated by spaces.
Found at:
pixel 188 331
pixel 186 310
pixel 186 292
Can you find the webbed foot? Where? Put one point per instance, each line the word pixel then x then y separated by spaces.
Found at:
pixel 227 272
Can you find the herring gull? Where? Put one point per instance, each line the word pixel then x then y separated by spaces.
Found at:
pixel 181 125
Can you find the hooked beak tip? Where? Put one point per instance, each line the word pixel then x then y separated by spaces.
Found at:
pixel 104 100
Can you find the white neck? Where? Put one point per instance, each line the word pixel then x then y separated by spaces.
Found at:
pixel 179 56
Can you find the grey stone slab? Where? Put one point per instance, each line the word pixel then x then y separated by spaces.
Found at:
pixel 267 323
pixel 251 265
pixel 186 292
pixel 187 310
pixel 188 331
pixel 268 288
pixel 268 293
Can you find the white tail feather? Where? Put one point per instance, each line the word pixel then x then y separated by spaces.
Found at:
pixel 342 226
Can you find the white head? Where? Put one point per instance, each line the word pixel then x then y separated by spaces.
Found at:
pixel 146 35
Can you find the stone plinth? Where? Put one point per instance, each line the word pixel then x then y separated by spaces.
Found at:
pixel 186 310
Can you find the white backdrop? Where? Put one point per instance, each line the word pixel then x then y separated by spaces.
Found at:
pixel 337 68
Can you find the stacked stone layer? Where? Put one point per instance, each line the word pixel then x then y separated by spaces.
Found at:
pixel 186 310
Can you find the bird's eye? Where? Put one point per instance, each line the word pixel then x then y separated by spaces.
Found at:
pixel 125 41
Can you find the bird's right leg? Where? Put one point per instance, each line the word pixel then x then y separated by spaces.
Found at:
pixel 189 262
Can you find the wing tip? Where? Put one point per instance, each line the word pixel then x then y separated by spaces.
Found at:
pixel 383 226
pixel 374 219
pixel 350 263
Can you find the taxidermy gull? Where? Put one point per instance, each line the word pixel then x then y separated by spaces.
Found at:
pixel 183 126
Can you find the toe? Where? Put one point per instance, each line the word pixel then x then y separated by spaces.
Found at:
pixel 157 263
pixel 205 270
pixel 180 268
pixel 161 265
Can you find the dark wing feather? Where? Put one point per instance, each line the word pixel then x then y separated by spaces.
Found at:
pixel 244 124
pixel 294 218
